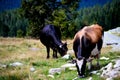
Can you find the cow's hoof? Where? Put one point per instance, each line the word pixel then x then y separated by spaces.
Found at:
pixel 81 76
pixel 76 78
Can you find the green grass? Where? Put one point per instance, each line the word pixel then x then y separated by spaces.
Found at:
pixel 19 50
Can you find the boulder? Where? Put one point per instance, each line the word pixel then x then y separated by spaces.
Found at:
pixel 117 64
pixel 111 71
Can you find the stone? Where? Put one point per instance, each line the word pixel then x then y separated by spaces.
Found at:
pixel 16 64
pixel 111 71
pixel 3 66
pixel 67 56
pixel 53 71
pixel 112 74
pixel 32 69
pixel 94 72
pixel 68 65
pixel 34 49
pixel 117 64
pixel 109 78
pixel 108 67
pixel 98 74
pixel 90 78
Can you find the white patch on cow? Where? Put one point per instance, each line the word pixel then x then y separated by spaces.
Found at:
pixel 95 51
pixel 60 46
pixel 79 63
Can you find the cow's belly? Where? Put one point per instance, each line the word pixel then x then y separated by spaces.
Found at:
pixel 95 51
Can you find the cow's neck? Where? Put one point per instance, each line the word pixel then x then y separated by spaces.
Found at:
pixel 57 41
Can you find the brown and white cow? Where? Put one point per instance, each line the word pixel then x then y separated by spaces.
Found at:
pixel 87 43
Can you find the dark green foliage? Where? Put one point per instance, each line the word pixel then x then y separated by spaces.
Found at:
pixel 107 15
pixel 11 22
pixel 3 29
pixel 20 33
pixel 41 12
pixel 61 13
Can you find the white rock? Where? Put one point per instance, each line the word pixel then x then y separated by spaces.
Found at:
pixel 117 69
pixel 113 73
pixel 98 73
pixel 51 76
pixel 90 78
pixel 94 72
pixel 106 69
pixel 110 38
pixel 109 78
pixel 32 69
pixel 16 64
pixel 115 48
pixel 3 66
pixel 67 56
pixel 68 65
pixel 117 64
pixel 34 49
pixel 104 58
pixel 115 30
pixel 55 70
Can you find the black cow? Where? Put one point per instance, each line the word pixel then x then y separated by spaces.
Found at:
pixel 87 43
pixel 50 36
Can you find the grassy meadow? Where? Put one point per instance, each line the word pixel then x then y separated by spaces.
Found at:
pixel 31 53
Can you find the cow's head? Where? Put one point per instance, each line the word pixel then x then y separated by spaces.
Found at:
pixel 63 49
pixel 80 64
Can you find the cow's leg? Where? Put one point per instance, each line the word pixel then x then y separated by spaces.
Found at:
pixel 48 52
pixel 83 69
pixel 55 54
pixel 90 65
pixel 98 57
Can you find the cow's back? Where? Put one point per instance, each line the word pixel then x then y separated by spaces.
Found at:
pixel 87 38
pixel 48 33
pixel 93 33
